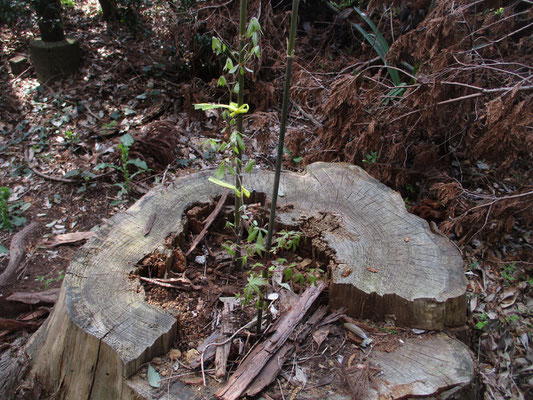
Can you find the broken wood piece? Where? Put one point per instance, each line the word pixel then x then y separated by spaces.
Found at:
pixel 272 368
pixel 48 296
pixel 205 348
pixel 270 371
pixel 250 367
pixel 33 315
pixel 209 220
pixel 67 238
pixel 16 252
pixel 422 367
pixel 16 325
pixel 226 329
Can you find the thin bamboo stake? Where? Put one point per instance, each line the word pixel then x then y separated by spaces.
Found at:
pixel 281 140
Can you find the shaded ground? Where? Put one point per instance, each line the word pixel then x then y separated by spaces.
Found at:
pixel 456 143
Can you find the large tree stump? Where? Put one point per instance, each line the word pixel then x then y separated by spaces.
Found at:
pixel 387 262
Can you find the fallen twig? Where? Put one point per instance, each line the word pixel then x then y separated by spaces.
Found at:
pixel 219 344
pixel 56 178
pixel 16 252
pixel 168 283
pixel 209 220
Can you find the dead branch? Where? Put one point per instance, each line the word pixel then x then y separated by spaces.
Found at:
pixel 16 252
pixel 466 97
pixel 56 178
pixel 208 222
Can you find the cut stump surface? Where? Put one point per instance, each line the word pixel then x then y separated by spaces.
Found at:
pixel 387 262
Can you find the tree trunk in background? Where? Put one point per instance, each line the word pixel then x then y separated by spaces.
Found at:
pixel 109 9
pixel 50 24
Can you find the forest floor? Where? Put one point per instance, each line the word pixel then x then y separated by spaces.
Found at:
pixel 455 139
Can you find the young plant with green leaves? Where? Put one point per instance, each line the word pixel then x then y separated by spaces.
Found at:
pixel 126 141
pixel 237 64
pixel 255 246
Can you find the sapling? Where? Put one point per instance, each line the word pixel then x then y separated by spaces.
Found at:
pixel 126 141
pixel 234 148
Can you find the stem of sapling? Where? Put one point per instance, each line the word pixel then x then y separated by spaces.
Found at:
pixel 240 102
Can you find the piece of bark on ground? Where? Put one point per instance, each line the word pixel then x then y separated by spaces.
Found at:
pixel 259 356
pixel 15 325
pixel 16 252
pixel 67 238
pixel 226 328
pixel 48 296
pixel 271 369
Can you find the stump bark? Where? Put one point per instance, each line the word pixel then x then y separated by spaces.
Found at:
pixel 385 261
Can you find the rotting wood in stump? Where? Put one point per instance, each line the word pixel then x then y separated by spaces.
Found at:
pixel 385 262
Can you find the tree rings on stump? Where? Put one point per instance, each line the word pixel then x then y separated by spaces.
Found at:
pixel 385 262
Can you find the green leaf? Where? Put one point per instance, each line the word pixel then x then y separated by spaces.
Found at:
pixel 231 170
pixel 220 172
pixel 297 159
pixel 229 65
pixel 252 234
pixel 245 191
pixel 18 221
pixel 153 377
pixel 127 140
pixel 219 182
pixel 253 26
pixel 221 81
pixel 3 249
pixel 256 51
pixel 101 166
pixel 138 163
pixel 249 166
pixel 215 45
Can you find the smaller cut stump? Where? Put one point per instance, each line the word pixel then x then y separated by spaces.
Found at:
pixel 55 59
pixel 384 261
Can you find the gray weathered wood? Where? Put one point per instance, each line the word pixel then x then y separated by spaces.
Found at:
pixel 422 367
pixel 101 330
